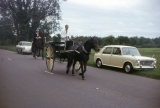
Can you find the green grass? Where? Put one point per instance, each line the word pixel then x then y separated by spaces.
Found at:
pixel 154 73
pixel 11 47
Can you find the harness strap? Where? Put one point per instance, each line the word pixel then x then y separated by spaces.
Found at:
pixel 72 51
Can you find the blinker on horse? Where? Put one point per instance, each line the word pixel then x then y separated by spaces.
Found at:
pixel 81 53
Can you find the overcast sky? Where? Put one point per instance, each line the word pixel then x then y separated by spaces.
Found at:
pixel 112 17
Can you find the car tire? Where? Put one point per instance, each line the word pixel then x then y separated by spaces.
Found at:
pixel 21 51
pixel 128 67
pixel 98 63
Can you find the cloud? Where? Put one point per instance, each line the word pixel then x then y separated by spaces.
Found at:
pixel 112 17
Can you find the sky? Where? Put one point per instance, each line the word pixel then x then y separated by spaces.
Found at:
pixel 112 17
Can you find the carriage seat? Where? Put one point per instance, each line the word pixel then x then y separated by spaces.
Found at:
pixel 68 44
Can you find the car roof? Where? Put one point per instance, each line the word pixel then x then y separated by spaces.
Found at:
pixel 118 46
pixel 25 41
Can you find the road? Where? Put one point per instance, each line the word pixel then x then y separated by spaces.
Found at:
pixel 24 83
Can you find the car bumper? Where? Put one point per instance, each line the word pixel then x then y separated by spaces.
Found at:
pixel 144 67
pixel 27 51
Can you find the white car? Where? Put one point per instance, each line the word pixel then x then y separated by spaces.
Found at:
pixel 24 47
pixel 126 57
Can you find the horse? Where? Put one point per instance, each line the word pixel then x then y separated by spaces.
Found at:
pixel 81 53
pixel 39 45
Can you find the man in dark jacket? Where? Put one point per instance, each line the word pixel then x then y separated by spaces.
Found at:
pixel 35 37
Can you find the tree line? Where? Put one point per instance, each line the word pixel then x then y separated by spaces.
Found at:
pixel 140 42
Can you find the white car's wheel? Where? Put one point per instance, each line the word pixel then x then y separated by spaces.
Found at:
pixel 98 63
pixel 21 51
pixel 128 67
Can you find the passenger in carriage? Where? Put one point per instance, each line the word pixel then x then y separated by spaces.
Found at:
pixel 65 35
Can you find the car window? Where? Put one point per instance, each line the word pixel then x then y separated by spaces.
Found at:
pixel 130 51
pixel 26 44
pixel 20 43
pixel 116 51
pixel 108 50
pixel 134 51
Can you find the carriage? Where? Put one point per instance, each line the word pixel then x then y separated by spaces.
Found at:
pixel 58 50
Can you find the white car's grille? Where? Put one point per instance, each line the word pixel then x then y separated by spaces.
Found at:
pixel 146 63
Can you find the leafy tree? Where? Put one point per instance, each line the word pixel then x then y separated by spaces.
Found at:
pixel 109 40
pixel 26 15
pixel 6 35
pixel 123 40
pixel 133 41
pixel 157 41
pixel 57 38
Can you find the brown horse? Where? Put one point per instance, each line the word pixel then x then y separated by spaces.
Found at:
pixel 39 45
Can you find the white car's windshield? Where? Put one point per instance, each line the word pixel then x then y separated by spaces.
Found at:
pixel 130 51
pixel 26 44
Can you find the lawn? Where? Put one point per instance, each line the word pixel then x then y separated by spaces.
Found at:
pixel 154 73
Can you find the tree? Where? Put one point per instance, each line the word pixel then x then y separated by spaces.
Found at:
pixel 6 35
pixel 27 15
pixel 57 38
pixel 157 41
pixel 133 41
pixel 109 40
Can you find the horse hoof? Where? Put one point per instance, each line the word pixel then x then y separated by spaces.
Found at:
pixel 80 74
pixel 83 78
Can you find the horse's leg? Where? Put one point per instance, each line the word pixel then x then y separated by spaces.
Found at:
pixel 38 52
pixel 82 70
pixel 43 53
pixel 35 53
pixel 60 57
pixel 69 63
pixel 85 64
pixel 81 66
pixel 73 67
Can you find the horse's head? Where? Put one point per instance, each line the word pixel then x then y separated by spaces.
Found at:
pixel 94 44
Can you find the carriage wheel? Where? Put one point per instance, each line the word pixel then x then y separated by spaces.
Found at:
pixel 77 66
pixel 49 58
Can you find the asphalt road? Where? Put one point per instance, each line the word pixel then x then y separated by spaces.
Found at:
pixel 25 84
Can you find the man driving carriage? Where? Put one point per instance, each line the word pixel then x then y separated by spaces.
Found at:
pixel 65 35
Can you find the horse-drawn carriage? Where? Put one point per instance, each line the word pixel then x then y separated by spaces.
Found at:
pixel 76 54
pixel 58 50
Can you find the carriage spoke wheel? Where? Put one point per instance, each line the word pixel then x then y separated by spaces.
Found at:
pixel 49 58
pixel 77 66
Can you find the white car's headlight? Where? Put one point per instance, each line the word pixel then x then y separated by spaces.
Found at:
pixel 155 61
pixel 138 61
pixel 23 48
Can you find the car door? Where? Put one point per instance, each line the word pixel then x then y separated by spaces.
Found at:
pixel 106 55
pixel 116 57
